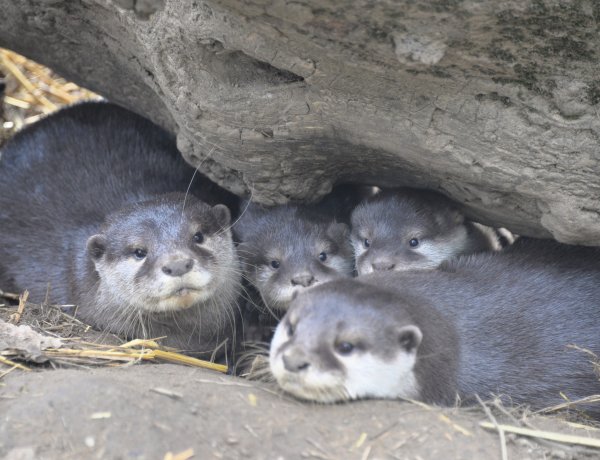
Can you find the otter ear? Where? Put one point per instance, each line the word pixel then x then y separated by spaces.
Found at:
pixel 96 246
pixel 409 337
pixel 338 231
pixel 222 214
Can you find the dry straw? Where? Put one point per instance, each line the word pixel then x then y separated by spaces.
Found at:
pixel 32 91
pixel 82 345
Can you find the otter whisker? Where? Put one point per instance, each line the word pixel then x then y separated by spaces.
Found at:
pixel 187 191
pixel 239 217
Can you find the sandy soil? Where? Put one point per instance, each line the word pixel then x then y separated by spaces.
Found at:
pixel 149 411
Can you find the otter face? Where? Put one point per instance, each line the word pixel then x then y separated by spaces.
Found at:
pixel 152 257
pixel 285 254
pixel 394 231
pixel 325 351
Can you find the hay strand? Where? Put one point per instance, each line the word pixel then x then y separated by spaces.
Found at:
pixel 548 435
pixel 32 91
pixel 127 353
pixel 178 358
pixel 9 65
pixel 16 317
pixel 185 455
pixel 570 404
pixel 8 362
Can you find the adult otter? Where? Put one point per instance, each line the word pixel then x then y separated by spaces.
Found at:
pixel 498 323
pixel 88 213
pixel 408 229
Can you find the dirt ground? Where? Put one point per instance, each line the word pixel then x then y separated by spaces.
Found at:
pixel 151 411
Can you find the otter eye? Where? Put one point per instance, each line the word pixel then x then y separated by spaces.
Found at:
pixel 413 243
pixel 275 263
pixel 323 256
pixel 198 238
pixel 290 329
pixel 140 253
pixel 367 242
pixel 344 348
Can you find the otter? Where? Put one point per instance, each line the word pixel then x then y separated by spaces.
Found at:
pixel 491 323
pixel 409 229
pixel 94 211
pixel 289 248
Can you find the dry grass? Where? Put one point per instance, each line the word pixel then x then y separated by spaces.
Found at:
pixel 82 345
pixel 32 91
pixel 51 320
pixel 547 435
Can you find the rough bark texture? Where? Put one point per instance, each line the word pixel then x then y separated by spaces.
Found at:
pixel 495 103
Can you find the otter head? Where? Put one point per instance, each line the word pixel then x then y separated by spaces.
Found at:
pixel 155 256
pixel 345 340
pixel 406 229
pixel 287 249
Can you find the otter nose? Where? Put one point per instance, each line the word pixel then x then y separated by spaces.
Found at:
pixel 178 267
pixel 383 265
pixel 294 362
pixel 303 280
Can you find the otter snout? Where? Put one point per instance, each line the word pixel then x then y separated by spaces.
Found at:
pixel 294 361
pixel 178 267
pixel 305 280
pixel 382 265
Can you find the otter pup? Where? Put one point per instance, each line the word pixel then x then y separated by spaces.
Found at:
pixel 290 248
pixel 408 229
pixel 495 323
pixel 92 210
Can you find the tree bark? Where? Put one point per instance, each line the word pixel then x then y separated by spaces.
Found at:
pixel 494 103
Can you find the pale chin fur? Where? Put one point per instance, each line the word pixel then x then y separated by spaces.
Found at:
pixel 370 377
pixel 159 294
pixel 197 283
pixel 315 386
pixel 358 248
pixel 442 250
pixel 435 253
pixel 366 376
pixel 312 385
pixel 283 296
pixel 429 264
pixel 280 297
pixel 279 338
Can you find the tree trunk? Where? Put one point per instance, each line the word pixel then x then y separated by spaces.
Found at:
pixel 494 103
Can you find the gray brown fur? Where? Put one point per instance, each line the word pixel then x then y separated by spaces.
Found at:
pixel 97 169
pixel 492 323
pixel 349 308
pixel 295 237
pixel 384 225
